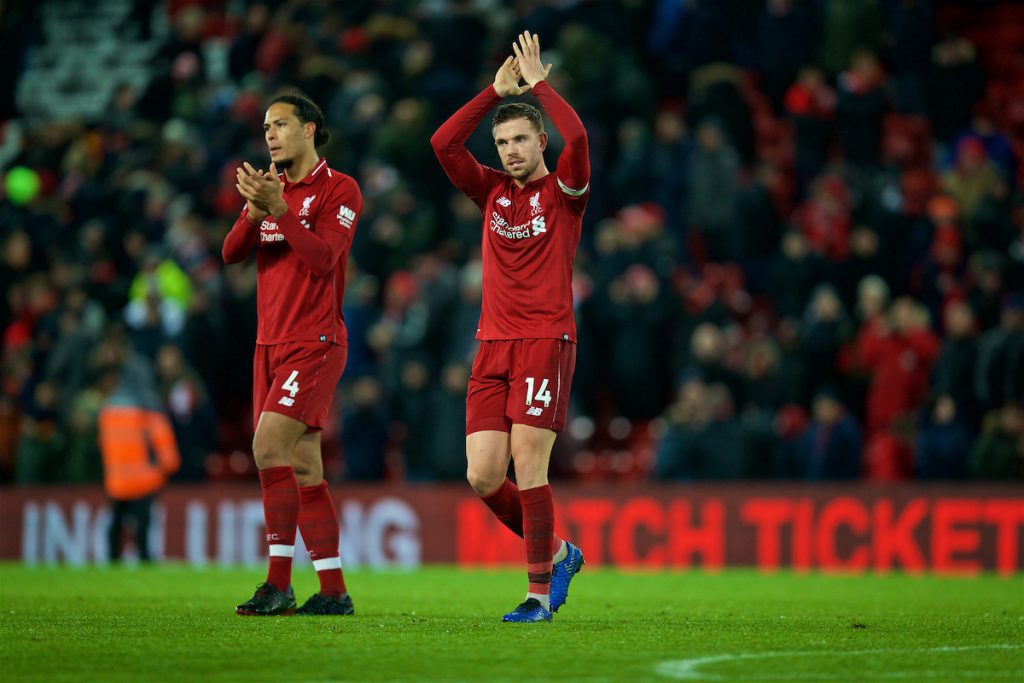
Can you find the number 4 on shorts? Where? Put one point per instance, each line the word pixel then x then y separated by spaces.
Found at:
pixel 290 385
pixel 542 393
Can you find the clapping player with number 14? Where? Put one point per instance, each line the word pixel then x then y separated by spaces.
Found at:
pixel 519 385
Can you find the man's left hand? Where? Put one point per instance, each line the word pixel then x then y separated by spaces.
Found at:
pixel 265 190
pixel 527 54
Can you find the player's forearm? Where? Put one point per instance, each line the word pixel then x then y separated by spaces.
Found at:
pixel 451 137
pixel 561 114
pixel 240 241
pixel 574 162
pixel 316 253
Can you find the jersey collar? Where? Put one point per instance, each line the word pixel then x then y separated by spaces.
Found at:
pixel 530 184
pixel 310 177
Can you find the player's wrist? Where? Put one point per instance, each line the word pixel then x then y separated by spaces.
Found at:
pixel 279 209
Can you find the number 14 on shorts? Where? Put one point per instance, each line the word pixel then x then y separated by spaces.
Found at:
pixel 542 395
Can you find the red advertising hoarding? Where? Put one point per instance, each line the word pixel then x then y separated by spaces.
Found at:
pixel 850 528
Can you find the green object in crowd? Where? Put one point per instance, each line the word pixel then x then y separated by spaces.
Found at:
pixel 170 281
pixel 21 185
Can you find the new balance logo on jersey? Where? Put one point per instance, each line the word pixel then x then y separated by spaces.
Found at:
pixel 287 401
pixel 346 216
pixel 304 211
pixel 504 201
pixel 535 206
pixel 534 411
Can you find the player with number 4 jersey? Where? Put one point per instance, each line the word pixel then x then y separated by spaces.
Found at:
pixel 300 221
pixel 519 386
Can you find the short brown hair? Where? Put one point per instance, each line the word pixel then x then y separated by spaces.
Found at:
pixel 518 110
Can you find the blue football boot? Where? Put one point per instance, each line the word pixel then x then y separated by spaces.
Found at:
pixel 562 573
pixel 530 610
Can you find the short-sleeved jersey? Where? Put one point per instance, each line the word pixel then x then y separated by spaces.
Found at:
pixel 293 302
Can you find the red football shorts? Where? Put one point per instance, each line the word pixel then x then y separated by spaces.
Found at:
pixel 520 381
pixel 297 379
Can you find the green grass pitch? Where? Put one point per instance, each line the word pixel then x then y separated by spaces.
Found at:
pixel 174 623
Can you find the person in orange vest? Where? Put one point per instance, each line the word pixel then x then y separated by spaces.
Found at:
pixel 139 454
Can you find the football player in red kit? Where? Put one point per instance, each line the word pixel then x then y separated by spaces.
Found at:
pixel 519 387
pixel 300 217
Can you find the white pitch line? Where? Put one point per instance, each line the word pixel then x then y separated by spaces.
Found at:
pixel 688 669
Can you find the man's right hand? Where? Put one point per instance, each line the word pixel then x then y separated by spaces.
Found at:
pixel 256 212
pixel 506 81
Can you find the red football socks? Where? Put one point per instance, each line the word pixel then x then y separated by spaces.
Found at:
pixel 506 506
pixel 318 523
pixel 281 515
pixel 538 531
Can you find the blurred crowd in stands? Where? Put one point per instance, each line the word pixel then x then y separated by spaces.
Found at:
pixel 803 256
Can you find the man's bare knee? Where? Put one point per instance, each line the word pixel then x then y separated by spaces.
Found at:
pixel 307 461
pixel 307 474
pixel 484 482
pixel 266 453
pixel 487 454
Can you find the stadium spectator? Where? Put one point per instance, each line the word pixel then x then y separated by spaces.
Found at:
pixel 867 259
pixel 653 165
pixel 848 26
pixel 711 202
pixel 830 449
pixel 708 361
pixel 954 371
pixel 639 355
pixel 970 181
pixel 999 373
pixel 999 453
pixel 187 403
pixel 823 331
pixel 811 103
pixel 89 194
pixel 365 436
pixel 447 433
pixel 953 85
pixel 900 358
pixel 132 429
pixel 910 38
pixel 794 272
pixel 824 218
pixel 862 101
pixel 786 43
pixel 943 446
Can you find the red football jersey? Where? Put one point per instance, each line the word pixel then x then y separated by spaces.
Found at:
pixel 530 234
pixel 301 258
